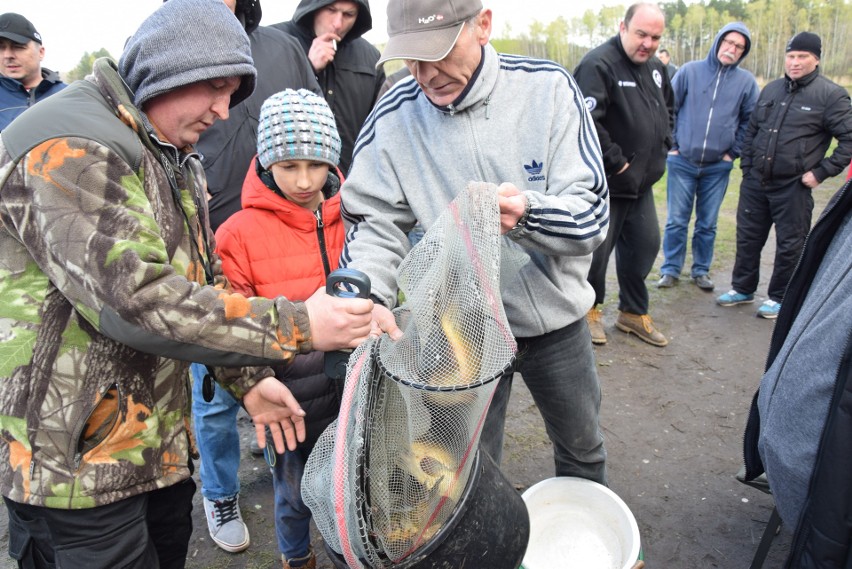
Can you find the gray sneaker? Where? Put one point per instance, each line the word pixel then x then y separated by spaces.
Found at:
pixel 226 525
pixel 667 281
pixel 704 283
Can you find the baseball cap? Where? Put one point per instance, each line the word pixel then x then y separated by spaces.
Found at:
pixel 425 30
pixel 18 29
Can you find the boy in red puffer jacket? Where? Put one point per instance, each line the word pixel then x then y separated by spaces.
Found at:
pixel 285 241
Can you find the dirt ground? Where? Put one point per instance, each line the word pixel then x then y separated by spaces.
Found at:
pixel 673 420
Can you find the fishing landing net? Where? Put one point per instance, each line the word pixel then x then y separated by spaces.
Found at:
pixel 384 479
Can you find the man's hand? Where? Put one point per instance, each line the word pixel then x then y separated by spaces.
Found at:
pixel 383 321
pixel 512 204
pixel 323 49
pixel 809 179
pixel 271 404
pixel 338 323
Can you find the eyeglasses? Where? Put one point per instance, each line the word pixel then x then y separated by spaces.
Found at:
pixel 733 44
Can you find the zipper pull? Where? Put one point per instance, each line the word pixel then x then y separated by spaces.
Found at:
pixel 318 215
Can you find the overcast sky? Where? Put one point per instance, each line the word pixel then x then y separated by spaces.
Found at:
pixel 71 28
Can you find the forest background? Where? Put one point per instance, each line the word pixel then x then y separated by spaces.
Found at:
pixel 690 29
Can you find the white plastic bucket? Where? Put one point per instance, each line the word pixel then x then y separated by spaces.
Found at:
pixel 577 523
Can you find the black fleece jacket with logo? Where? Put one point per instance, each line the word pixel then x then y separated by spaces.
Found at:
pixel 632 106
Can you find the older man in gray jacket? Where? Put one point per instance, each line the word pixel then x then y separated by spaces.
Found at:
pixel 474 114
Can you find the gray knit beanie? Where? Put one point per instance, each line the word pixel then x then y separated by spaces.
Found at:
pixel 183 42
pixel 297 125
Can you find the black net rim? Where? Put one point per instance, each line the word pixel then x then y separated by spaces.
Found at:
pixel 439 388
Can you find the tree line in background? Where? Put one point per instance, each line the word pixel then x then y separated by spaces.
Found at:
pixel 85 66
pixel 690 30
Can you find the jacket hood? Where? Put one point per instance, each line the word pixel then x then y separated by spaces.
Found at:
pixel 738 27
pixel 51 76
pixel 304 17
pixel 260 191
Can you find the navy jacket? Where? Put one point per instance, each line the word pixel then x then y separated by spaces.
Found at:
pixel 15 99
pixel 713 104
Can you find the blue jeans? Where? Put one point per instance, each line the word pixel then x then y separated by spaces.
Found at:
pixel 292 516
pixel 688 185
pixel 560 371
pixel 217 438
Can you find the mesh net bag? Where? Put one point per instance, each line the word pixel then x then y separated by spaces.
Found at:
pixel 384 479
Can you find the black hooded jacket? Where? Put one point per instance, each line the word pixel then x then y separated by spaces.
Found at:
pixel 350 83
pixel 227 147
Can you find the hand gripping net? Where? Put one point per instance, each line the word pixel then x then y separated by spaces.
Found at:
pixel 386 476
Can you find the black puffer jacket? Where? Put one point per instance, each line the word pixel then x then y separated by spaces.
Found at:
pixel 318 394
pixel 632 106
pixel 351 82
pixel 791 129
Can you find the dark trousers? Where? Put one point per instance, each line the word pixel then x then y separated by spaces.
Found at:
pixel 789 206
pixel 560 372
pixel 634 234
pixel 149 531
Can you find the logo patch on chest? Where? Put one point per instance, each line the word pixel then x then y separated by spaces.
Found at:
pixel 534 170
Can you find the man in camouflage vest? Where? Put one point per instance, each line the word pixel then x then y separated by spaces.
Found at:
pixel 108 288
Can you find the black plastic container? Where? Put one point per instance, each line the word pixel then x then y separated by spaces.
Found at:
pixel 490 527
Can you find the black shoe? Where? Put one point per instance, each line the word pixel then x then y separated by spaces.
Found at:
pixel 703 282
pixel 667 281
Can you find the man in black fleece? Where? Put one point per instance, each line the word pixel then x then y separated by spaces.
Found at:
pixel 629 95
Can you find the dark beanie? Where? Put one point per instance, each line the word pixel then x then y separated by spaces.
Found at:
pixel 183 42
pixel 806 41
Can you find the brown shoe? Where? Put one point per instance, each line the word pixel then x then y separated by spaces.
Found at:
pixel 594 318
pixel 309 561
pixel 642 326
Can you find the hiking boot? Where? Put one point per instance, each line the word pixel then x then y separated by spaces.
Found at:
pixel 703 282
pixel 309 561
pixel 594 318
pixel 668 281
pixel 226 525
pixel 732 298
pixel 642 326
pixel 769 309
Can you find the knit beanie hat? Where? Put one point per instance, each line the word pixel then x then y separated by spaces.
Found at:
pixel 183 42
pixel 297 125
pixel 806 41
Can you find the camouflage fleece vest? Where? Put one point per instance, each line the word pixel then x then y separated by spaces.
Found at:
pixel 103 301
